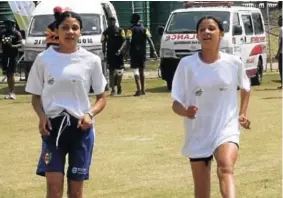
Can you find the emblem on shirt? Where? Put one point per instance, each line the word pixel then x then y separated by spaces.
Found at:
pixel 51 81
pixel 199 92
pixel 223 89
pixel 47 158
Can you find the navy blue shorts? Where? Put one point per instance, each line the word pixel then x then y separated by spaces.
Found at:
pixel 75 142
pixel 9 65
pixel 137 62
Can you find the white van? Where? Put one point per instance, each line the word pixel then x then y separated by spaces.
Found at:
pixel 244 36
pixel 94 16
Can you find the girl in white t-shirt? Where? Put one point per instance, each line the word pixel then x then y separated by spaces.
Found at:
pixel 204 91
pixel 60 81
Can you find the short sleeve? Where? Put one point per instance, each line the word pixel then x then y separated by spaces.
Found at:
pixel 98 80
pixel 19 36
pixel 122 34
pixel 103 37
pixel 36 78
pixel 147 33
pixel 243 80
pixel 178 92
pixel 129 34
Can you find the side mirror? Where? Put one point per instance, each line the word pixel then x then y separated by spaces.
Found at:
pixel 237 30
pixel 160 30
pixel 23 33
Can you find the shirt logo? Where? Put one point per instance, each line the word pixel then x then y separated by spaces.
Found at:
pixel 199 92
pixel 223 89
pixel 51 81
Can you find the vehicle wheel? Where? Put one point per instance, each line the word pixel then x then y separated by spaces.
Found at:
pixel 258 78
pixel 169 84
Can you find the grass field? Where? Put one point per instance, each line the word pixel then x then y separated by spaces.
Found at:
pixel 137 153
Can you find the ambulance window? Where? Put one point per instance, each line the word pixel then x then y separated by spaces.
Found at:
pixel 104 23
pixel 247 21
pixel 236 20
pixel 257 21
pixel 186 22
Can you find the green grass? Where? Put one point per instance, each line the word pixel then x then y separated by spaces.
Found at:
pixel 273 44
pixel 138 142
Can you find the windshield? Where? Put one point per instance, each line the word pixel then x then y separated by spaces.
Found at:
pixel 186 22
pixel 91 24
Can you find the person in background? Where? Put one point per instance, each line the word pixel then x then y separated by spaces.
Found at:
pixel 11 41
pixel 204 93
pixel 279 51
pixel 112 40
pixel 136 38
pixel 51 37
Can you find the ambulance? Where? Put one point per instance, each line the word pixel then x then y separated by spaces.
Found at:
pixel 94 16
pixel 244 37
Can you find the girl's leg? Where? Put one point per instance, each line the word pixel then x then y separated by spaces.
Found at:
pixel 55 184
pixel 201 169
pixel 80 156
pixel 226 156
pixel 75 189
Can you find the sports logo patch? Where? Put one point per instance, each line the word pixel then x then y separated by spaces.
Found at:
pixel 74 170
pixel 47 158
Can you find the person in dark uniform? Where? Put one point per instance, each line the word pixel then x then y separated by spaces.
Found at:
pixel 11 40
pixel 136 38
pixel 51 37
pixel 279 51
pixel 112 40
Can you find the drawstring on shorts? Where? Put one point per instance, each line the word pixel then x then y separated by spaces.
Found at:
pixel 66 117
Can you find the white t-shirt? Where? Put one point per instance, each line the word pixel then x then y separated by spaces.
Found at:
pixel 63 81
pixel 213 89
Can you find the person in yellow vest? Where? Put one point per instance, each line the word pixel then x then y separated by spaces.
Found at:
pixel 51 37
pixel 136 38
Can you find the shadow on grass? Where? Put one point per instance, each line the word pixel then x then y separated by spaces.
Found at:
pixel 272 98
pixel 19 89
pixel 267 89
pixel 276 81
pixel 162 89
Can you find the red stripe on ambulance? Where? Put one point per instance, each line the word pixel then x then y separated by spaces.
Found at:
pixel 258 49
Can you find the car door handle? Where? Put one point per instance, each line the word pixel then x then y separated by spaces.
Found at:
pixel 244 39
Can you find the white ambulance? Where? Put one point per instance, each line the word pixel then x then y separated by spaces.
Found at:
pixel 94 16
pixel 244 36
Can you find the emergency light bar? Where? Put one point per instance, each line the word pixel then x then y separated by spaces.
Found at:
pixel 188 4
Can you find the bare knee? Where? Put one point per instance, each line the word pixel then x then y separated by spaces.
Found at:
pixel 75 193
pixel 75 189
pixel 54 188
pixel 225 169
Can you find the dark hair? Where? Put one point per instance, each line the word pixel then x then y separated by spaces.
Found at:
pixel 216 20
pixel 68 14
pixel 112 18
pixel 135 18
